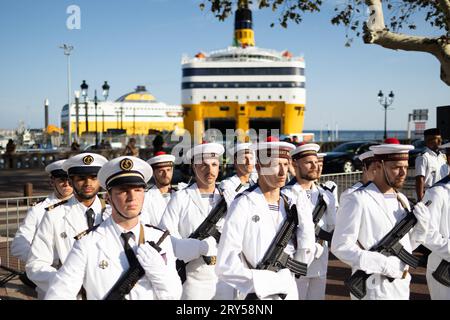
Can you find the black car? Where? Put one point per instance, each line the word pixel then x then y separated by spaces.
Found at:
pixel 419 148
pixel 344 158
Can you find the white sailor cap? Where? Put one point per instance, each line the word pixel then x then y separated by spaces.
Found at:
pixel 84 164
pixel 241 147
pixel 366 156
pixel 161 159
pixel 205 151
pixel 391 152
pixel 320 156
pixel 56 170
pixel 445 146
pixel 307 149
pixel 273 148
pixel 125 170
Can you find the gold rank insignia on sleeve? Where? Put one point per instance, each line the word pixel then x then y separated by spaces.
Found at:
pixel 81 234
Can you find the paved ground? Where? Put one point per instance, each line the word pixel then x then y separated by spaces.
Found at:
pixel 336 290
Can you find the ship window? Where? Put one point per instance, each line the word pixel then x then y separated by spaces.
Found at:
pixel 224 108
pixel 215 97
pixel 293 97
pixel 237 97
pixel 260 108
pixel 259 97
pixel 270 97
pixel 226 97
pixel 248 97
pixel 204 97
pixel 242 108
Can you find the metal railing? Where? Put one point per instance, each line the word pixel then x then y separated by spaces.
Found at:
pixel 12 213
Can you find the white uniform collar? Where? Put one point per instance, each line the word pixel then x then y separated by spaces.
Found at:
pixel 96 205
pixel 119 229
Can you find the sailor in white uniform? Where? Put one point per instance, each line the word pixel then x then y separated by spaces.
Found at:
pixel 105 253
pixel 251 225
pixel 187 209
pixel 245 177
pixel 55 235
pixel 368 214
pixel 331 185
pixel 309 195
pixel 158 196
pixel 439 194
pixel 431 166
pixel 368 173
pixel 62 191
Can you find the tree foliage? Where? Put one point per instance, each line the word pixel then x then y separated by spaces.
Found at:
pixel 350 13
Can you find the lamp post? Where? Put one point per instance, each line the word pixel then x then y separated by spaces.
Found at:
pixel 84 92
pixel 96 131
pixel 77 114
pixel 385 103
pixel 46 103
pixel 67 51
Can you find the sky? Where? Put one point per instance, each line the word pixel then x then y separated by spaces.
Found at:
pixel 141 42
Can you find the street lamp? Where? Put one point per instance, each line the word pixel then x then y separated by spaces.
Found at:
pixel 385 104
pixel 96 131
pixel 105 88
pixel 67 51
pixel 77 114
pixel 84 92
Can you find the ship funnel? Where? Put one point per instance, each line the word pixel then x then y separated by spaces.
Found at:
pixel 243 32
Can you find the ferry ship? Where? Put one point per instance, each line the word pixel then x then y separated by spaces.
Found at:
pixel 134 113
pixel 243 86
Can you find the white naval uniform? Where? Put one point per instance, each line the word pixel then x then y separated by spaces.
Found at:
pixel 98 260
pixel 439 209
pixel 313 285
pixel 230 185
pixel 155 204
pixel 20 247
pixel 433 166
pixel 184 213
pixel 55 238
pixel 364 218
pixel 350 190
pixel 250 227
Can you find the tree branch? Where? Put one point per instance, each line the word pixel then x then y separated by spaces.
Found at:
pixel 401 41
pixel 445 7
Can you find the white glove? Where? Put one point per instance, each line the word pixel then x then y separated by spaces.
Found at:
pixel 267 283
pixel 319 250
pixel 165 282
pixel 149 258
pixel 420 230
pixel 208 247
pixel 393 267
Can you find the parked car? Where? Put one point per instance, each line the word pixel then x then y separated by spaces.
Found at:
pixel 419 147
pixel 344 158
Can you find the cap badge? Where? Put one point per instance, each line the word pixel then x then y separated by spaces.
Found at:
pixel 126 164
pixel 87 160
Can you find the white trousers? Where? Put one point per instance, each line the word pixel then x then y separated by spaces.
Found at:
pixel 311 288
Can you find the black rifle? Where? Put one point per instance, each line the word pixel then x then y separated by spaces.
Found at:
pixel 275 258
pixel 208 228
pixel 15 273
pixel 125 283
pixel 318 212
pixel 389 245
pixel 442 273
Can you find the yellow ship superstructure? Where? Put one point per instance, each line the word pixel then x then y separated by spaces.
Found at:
pixel 136 113
pixel 243 87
